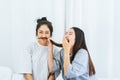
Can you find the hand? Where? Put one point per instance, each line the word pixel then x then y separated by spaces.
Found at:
pixel 50 45
pixel 66 45
pixel 51 77
pixel 28 76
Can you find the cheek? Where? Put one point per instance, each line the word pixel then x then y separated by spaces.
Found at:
pixel 48 35
pixel 38 34
pixel 72 39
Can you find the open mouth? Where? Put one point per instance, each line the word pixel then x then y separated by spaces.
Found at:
pixel 67 40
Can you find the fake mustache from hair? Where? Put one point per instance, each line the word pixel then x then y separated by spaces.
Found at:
pixel 42 38
pixel 57 44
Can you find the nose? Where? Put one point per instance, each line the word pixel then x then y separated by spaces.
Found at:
pixel 66 36
pixel 44 35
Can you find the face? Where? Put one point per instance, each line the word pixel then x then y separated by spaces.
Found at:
pixel 43 34
pixel 70 36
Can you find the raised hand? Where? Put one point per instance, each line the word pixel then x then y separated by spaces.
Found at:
pixel 50 45
pixel 67 45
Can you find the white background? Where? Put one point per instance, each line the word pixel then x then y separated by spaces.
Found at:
pixel 99 19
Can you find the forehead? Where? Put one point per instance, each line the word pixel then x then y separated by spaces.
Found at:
pixel 44 27
pixel 71 31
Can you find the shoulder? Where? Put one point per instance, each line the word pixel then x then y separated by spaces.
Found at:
pixel 32 45
pixel 59 53
pixel 81 54
pixel 56 49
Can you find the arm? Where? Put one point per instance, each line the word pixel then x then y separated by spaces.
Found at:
pixel 28 76
pixel 50 60
pixel 50 56
pixel 54 61
pixel 27 64
pixel 66 63
pixel 67 50
pixel 79 65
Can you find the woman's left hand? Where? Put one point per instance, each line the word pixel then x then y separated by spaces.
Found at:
pixel 50 45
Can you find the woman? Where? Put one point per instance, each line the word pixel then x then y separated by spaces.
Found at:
pixel 74 59
pixel 36 55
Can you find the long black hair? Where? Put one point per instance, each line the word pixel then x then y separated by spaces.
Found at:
pixel 43 21
pixel 79 44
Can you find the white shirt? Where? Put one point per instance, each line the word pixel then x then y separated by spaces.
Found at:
pixel 35 61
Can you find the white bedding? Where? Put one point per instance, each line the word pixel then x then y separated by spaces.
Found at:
pixel 7 74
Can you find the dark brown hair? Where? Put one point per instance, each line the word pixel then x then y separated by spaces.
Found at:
pixel 43 21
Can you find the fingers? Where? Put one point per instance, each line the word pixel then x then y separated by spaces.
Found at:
pixel 65 41
pixel 49 40
pixel 50 45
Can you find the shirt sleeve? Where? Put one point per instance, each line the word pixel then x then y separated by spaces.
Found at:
pixel 26 61
pixel 79 65
pixel 57 63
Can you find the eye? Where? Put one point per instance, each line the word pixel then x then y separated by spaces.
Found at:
pixel 47 32
pixel 70 33
pixel 40 32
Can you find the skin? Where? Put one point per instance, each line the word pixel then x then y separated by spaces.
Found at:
pixel 50 60
pixel 28 76
pixel 43 35
pixel 68 43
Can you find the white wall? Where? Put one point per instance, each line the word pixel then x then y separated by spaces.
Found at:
pixel 5 33
pixel 116 38
pixel 98 18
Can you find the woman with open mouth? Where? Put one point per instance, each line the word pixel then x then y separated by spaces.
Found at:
pixel 74 59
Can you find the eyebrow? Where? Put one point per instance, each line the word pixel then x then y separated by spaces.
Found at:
pixel 42 30
pixel 70 32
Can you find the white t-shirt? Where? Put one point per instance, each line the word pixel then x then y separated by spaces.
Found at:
pixel 35 61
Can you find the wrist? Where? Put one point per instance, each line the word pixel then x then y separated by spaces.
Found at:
pixel 51 74
pixel 66 55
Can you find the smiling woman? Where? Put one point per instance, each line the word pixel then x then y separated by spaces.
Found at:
pixel 74 59
pixel 43 31
pixel 35 56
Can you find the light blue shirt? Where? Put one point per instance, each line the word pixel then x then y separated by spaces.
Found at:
pixel 77 70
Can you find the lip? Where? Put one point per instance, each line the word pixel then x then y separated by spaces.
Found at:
pixel 43 38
